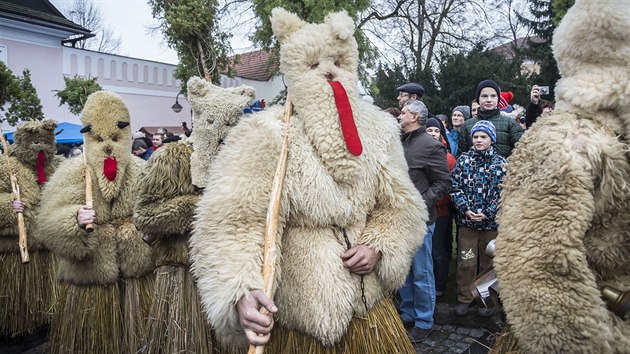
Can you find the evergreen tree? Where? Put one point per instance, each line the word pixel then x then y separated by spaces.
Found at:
pixel 459 75
pixel 8 85
pixel 25 104
pixel 384 85
pixel 546 16
pixel 76 92
pixel 191 28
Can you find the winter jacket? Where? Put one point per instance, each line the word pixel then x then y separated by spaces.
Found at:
pixel 428 168
pixel 477 187
pixel 453 140
pixel 508 132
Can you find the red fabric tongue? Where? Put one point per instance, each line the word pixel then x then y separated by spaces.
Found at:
pixel 348 128
pixel 41 172
pixel 109 168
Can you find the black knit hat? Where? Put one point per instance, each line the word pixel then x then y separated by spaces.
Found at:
pixel 487 83
pixel 433 122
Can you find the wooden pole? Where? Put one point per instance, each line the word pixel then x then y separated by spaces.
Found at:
pixel 88 185
pixel 271 222
pixel 15 187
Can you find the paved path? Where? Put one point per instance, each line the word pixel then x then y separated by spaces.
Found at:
pixel 455 334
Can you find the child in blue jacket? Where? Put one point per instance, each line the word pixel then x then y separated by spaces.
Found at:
pixel 476 189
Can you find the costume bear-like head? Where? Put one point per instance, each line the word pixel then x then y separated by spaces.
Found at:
pixel 35 141
pixel 320 63
pixel 313 54
pixel 215 111
pixel 107 136
pixel 592 48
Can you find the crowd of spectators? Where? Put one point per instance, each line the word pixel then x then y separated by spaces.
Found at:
pixel 462 195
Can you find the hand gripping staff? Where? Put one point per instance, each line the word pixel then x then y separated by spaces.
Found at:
pixel 22 242
pixel 88 185
pixel 271 222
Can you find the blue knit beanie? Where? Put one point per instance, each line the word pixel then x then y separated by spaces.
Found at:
pixel 487 127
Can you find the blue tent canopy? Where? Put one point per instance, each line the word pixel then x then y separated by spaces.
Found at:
pixel 70 135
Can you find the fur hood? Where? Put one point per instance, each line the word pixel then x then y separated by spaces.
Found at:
pixel 107 136
pixel 592 48
pixel 34 137
pixel 215 111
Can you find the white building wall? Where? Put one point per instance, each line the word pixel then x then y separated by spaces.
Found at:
pixel 147 87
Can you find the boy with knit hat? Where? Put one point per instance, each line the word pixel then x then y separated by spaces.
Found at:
pixel 508 132
pixel 476 189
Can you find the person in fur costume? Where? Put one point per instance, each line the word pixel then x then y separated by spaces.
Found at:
pixel 350 219
pixel 27 291
pixel 105 277
pixel 165 211
pixel 564 227
pixel 215 112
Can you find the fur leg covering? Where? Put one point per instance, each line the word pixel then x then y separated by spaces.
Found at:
pixel 27 294
pixel 379 332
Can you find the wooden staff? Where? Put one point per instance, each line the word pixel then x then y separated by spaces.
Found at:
pixel 88 185
pixel 271 222
pixel 15 187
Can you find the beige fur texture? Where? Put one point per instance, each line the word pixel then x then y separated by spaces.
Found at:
pixel 115 248
pixel 326 190
pixel 30 138
pixel 167 202
pixel 215 111
pixel 564 230
pixel 24 308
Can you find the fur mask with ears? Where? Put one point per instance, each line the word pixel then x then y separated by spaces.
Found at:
pixel 35 146
pixel 107 135
pixel 320 63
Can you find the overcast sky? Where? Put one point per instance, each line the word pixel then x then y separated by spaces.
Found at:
pixel 130 20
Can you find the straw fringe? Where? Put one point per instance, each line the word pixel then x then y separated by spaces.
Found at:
pixel 176 323
pixel 89 320
pixel 136 305
pixel 506 343
pixel 27 294
pixel 381 332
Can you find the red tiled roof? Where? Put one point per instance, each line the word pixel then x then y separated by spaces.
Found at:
pixel 256 66
pixel 507 49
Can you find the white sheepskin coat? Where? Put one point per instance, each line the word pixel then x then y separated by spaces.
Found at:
pixel 564 227
pixel 326 190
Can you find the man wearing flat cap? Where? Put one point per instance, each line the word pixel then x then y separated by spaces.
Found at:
pixel 409 91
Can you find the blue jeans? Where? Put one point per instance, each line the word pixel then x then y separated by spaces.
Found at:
pixel 418 294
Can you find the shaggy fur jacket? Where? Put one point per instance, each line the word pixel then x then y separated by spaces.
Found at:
pixel 326 191
pixel 564 227
pixel 167 202
pixel 30 191
pixel 115 247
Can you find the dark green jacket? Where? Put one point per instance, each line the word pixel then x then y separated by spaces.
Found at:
pixel 508 133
